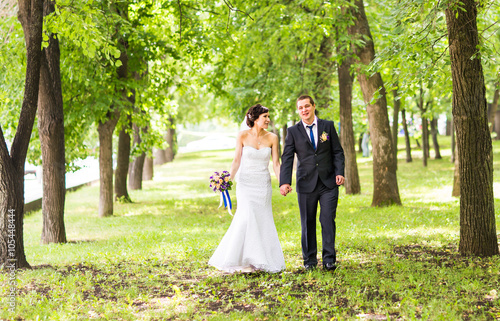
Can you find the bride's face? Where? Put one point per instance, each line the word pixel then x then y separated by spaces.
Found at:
pixel 263 120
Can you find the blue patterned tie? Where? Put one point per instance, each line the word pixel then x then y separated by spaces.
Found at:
pixel 312 135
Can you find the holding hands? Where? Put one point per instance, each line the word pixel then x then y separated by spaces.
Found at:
pixel 285 189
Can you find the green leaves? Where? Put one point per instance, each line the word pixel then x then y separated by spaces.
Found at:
pixel 271 59
pixel 12 73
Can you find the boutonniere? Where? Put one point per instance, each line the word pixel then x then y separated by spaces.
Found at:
pixel 324 137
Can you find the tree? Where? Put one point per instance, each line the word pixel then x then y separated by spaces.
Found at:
pixel 136 167
pixel 170 138
pixel 267 59
pixel 434 134
pixel 345 81
pixel 30 15
pixel 455 192
pixel 122 161
pixel 385 191
pixel 105 129
pixel 407 136
pixel 352 183
pixel 51 133
pixel 395 121
pixel 411 39
pixel 494 107
pixel 477 216
pixel 425 127
pixel 148 170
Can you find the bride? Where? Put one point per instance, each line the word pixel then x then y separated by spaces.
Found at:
pixel 251 243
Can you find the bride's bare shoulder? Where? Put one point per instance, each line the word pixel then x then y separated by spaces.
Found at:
pixel 271 136
pixel 243 135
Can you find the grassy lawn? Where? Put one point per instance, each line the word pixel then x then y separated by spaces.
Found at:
pixel 149 261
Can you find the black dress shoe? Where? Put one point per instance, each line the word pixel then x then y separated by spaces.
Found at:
pixel 330 267
pixel 309 267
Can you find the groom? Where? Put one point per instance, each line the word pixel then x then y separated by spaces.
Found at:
pixel 320 170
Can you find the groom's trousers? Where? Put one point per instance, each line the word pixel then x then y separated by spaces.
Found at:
pixel 308 206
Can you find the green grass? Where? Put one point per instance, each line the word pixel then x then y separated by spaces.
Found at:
pixel 149 261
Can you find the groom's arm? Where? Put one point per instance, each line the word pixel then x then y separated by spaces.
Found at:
pixel 287 160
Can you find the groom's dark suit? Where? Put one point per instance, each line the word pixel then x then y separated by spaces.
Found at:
pixel 316 173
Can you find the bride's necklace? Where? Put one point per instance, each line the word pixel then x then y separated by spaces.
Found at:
pixel 257 137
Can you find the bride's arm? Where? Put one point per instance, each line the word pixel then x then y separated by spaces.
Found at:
pixel 237 156
pixel 276 157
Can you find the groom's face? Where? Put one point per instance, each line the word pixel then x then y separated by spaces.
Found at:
pixel 306 110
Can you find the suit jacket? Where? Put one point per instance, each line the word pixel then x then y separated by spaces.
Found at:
pixel 325 163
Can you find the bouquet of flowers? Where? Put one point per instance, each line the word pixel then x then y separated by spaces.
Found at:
pixel 221 182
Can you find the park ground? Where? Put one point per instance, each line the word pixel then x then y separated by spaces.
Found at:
pixel 149 260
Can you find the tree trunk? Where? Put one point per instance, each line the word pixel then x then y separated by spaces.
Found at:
pixel 137 166
pixel 352 184
pixel 171 139
pixel 385 190
pixel 475 154
pixel 275 130
pixel 407 136
pixel 453 144
pixel 497 124
pixel 51 131
pixel 425 141
pixel 148 170
pixel 494 107
pixel 106 163
pixel 425 128
pixel 449 124
pixel 322 83
pixel 456 176
pixel 12 207
pixel 123 155
pixel 395 123
pixel 434 133
pixel 12 255
pixel 122 162
pixel 159 157
pixel 284 131
pixel 427 138
pixel 135 172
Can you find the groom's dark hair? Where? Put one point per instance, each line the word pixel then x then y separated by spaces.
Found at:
pixel 254 112
pixel 305 97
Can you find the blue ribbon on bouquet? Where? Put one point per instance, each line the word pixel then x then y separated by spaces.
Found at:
pixel 226 199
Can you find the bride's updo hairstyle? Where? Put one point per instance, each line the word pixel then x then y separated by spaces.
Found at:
pixel 254 112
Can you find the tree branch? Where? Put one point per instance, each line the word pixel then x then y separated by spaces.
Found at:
pixel 31 17
pixel 231 8
pixel 228 18
pixel 4 150
pixel 180 20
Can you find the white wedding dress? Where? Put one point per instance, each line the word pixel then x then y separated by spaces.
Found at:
pixel 251 242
